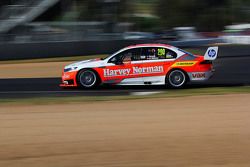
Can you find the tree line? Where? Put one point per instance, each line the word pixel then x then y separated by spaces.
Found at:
pixel 206 15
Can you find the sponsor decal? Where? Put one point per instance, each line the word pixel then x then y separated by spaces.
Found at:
pixel 184 63
pixel 147 70
pixel 65 76
pixel 212 53
pixel 118 72
pixel 199 75
pixel 133 71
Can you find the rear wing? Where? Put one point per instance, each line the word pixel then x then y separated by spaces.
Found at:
pixel 211 53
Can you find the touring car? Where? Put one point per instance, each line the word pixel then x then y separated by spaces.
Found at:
pixel 143 64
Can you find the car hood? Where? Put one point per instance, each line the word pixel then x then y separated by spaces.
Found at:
pixel 86 63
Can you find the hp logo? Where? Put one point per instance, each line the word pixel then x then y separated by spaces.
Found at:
pixel 212 53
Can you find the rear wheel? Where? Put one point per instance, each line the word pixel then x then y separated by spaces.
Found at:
pixel 176 79
pixel 87 78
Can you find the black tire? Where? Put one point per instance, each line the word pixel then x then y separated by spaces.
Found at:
pixel 87 78
pixel 176 79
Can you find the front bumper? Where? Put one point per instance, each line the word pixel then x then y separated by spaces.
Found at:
pixel 200 76
pixel 69 79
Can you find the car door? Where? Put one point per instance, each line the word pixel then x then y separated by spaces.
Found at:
pixel 156 64
pixel 121 68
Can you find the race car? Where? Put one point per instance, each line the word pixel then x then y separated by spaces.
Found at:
pixel 143 64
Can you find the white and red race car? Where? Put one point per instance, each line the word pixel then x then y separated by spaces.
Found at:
pixel 144 64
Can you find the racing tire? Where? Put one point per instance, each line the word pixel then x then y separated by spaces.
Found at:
pixel 87 78
pixel 176 79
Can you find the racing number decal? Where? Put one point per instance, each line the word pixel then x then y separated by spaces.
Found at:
pixel 161 52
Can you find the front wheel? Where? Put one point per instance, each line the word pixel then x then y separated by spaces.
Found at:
pixel 176 79
pixel 87 79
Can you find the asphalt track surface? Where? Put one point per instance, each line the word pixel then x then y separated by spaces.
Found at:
pixel 230 71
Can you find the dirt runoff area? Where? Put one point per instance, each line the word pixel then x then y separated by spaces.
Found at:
pixel 202 131
pixel 32 70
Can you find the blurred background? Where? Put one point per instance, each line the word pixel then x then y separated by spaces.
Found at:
pixel 43 28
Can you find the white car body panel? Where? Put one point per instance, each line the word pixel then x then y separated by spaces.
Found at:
pixel 157 80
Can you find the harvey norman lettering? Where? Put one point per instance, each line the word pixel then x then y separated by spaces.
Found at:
pixel 134 70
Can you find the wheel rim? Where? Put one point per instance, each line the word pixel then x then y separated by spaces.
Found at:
pixel 87 78
pixel 177 78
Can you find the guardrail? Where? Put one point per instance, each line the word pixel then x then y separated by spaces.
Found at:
pixel 15 51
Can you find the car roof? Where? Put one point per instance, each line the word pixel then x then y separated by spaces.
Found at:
pixel 177 50
pixel 149 45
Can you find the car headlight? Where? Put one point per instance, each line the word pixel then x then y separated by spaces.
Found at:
pixel 70 69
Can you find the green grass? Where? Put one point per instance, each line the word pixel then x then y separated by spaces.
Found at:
pixel 168 93
pixel 196 51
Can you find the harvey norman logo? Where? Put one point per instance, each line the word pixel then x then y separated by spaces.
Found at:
pixel 133 71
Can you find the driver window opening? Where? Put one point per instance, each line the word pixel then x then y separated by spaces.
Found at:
pixel 128 55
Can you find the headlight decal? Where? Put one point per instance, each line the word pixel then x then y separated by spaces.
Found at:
pixel 70 69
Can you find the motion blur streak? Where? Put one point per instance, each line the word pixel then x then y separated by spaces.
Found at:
pixel 194 131
pixel 230 71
